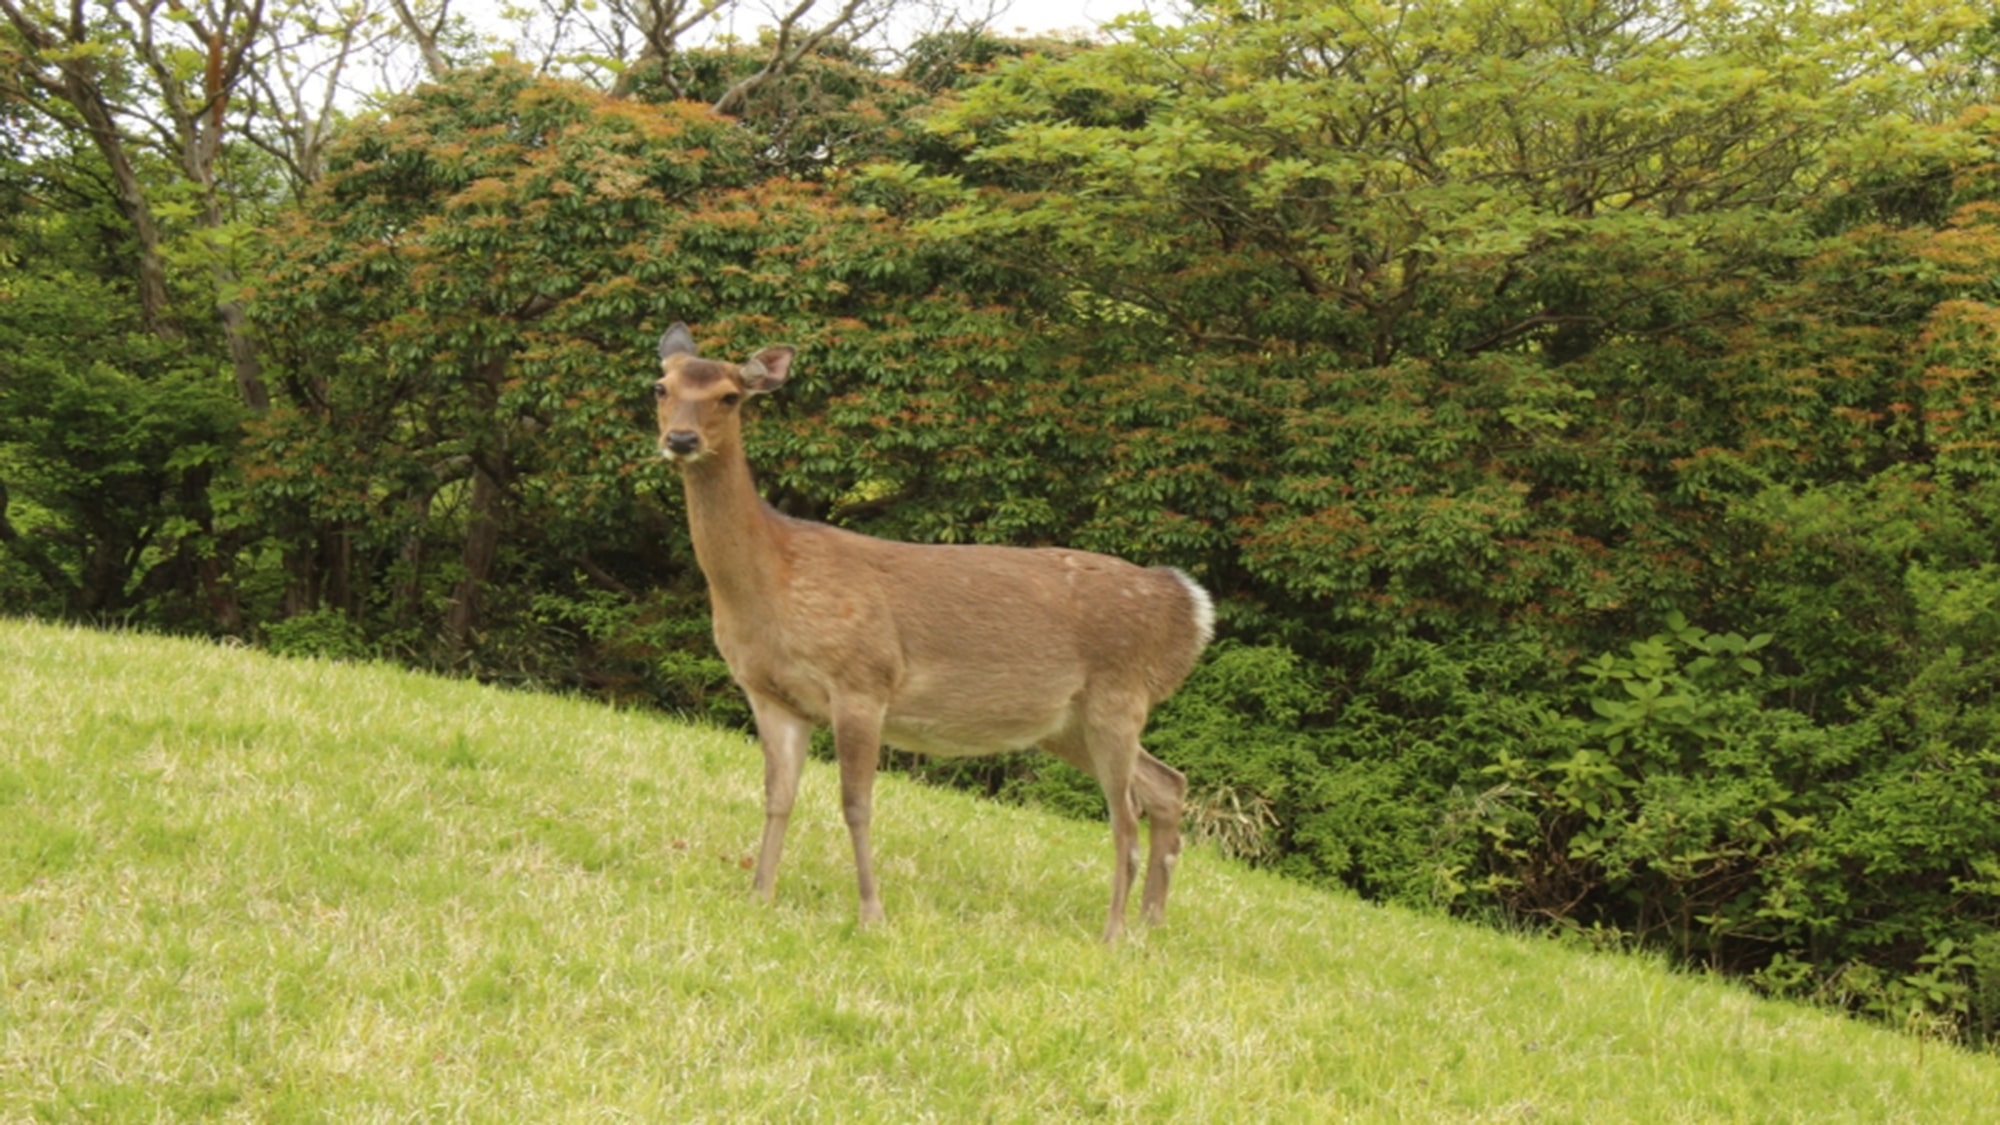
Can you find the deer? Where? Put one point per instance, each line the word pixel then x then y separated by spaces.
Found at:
pixel 951 650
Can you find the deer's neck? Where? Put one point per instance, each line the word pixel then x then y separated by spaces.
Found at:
pixel 737 539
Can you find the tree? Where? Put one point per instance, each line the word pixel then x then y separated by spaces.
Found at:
pixel 110 439
pixel 464 310
pixel 1453 255
pixel 203 86
pixel 60 67
pixel 493 215
pixel 198 116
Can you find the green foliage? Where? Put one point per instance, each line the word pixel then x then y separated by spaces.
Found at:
pixel 830 109
pixel 462 308
pixel 1434 359
pixel 466 306
pixel 1692 809
pixel 110 441
pixel 325 633
pixel 1397 786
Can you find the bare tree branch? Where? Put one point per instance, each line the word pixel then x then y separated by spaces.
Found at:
pixel 856 17
pixel 299 81
pixel 425 29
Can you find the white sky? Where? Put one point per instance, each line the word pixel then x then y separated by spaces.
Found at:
pixel 1062 15
pixel 1017 15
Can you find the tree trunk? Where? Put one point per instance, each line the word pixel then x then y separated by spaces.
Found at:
pixel 243 357
pixel 85 96
pixel 337 549
pixel 424 29
pixel 482 546
pixel 492 476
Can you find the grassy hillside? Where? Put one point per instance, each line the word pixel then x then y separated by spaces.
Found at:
pixel 244 889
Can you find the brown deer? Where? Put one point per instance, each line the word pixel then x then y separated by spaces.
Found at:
pixel 943 650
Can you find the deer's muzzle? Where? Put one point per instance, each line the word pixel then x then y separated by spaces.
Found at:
pixel 681 443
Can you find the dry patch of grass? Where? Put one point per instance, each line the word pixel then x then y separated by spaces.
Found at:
pixel 237 888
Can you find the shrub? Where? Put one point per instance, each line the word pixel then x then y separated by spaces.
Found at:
pixel 1849 860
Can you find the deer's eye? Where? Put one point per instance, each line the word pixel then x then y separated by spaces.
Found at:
pixel 731 399
pixel 659 390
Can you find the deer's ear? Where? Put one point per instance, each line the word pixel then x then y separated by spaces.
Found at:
pixel 767 370
pixel 676 341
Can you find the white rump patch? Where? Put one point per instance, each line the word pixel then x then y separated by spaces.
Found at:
pixel 1204 606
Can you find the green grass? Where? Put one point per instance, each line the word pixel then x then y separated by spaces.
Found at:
pixel 238 888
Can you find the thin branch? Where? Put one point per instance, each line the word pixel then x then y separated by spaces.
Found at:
pixel 426 35
pixel 785 53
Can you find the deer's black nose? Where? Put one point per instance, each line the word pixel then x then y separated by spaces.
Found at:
pixel 680 443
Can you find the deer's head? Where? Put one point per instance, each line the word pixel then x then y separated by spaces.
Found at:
pixel 699 399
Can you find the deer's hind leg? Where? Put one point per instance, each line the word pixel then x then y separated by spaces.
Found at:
pixel 1108 750
pixel 1161 791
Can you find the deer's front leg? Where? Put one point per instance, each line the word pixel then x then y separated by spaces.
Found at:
pixel 857 742
pixel 785 738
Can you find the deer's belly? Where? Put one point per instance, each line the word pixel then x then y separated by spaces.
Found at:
pixel 981 715
pixel 964 725
pixel 942 739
